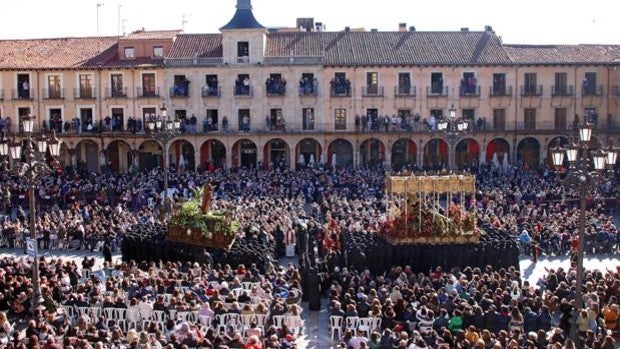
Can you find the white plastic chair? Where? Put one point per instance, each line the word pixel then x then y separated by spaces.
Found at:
pixel 246 320
pixel 188 316
pixel 365 325
pixel 260 320
pixel 84 312
pixel 294 323
pixel 158 316
pixel 376 326
pixel 95 313
pixel 335 325
pixel 121 317
pixel 277 320
pixel 236 292
pixel 146 314
pixel 108 314
pixel 351 323
pixel 70 312
pixel 133 318
pixel 205 321
pixel 222 322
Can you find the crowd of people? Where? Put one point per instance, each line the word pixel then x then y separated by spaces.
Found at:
pixel 149 305
pixel 319 210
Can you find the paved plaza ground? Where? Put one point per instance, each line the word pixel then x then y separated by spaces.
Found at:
pixel 316 334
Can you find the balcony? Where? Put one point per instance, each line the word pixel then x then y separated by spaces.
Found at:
pixel 193 62
pixel 436 91
pixel 404 91
pixel 308 89
pixel 372 91
pixel 469 91
pixel 562 90
pixel 587 90
pixel 536 126
pixel 179 91
pixel 243 60
pixel 116 93
pixel 142 92
pixel 340 90
pixel 210 91
pixel 275 89
pixel 53 93
pixel 84 93
pixel 297 60
pixel 242 91
pixel 531 90
pixel 500 91
pixel 24 95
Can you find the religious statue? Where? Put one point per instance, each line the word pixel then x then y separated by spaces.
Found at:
pixel 206 198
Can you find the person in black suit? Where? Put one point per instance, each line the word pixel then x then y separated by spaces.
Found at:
pixel 107 252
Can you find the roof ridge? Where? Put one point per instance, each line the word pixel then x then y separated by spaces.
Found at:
pixel 63 38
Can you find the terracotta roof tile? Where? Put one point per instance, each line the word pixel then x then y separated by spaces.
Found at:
pixel 151 35
pixel 563 54
pixel 391 48
pixel 196 45
pixel 52 53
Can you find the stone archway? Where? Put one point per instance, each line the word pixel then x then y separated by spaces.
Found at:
pixel 120 157
pixel 467 153
pixel 404 153
pixel 308 151
pixel 436 154
pixel 528 152
pixel 88 155
pixel 150 156
pixel 499 146
pixel 182 155
pixel 372 152
pixel 340 153
pixel 212 154
pixel 244 153
pixel 276 153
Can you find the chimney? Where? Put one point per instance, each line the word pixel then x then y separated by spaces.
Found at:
pixel 305 24
pixel 464 29
pixel 347 29
pixel 411 28
pixel 488 29
pixel 373 30
pixel 319 26
pixel 402 27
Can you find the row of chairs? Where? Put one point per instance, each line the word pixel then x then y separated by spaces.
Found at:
pixel 366 325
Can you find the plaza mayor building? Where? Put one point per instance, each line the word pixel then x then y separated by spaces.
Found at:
pixel 254 96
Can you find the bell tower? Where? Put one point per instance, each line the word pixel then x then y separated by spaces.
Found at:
pixel 243 37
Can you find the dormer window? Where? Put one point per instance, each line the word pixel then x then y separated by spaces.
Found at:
pixel 158 52
pixel 129 53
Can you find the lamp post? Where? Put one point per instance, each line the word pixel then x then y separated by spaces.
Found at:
pixel 31 167
pixel 586 169
pixel 454 129
pixel 163 130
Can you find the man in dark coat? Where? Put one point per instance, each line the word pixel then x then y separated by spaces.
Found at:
pixel 107 252
pixel 314 292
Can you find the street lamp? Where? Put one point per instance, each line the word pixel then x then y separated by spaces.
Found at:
pixel 163 131
pixel 586 169
pixel 454 129
pixel 30 167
